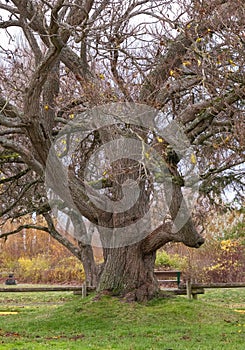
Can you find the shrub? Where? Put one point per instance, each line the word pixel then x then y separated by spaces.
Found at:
pixel 165 260
pixel 228 262
pixel 32 269
pixel 42 269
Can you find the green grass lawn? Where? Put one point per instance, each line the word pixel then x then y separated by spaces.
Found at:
pixel 61 320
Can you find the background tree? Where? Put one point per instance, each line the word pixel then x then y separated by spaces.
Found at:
pixel 36 257
pixel 183 58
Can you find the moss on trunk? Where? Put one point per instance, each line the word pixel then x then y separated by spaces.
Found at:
pixel 127 272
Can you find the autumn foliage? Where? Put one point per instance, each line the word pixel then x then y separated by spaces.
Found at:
pixel 38 258
pixel 221 259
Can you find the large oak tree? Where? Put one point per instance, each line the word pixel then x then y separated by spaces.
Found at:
pixel 184 59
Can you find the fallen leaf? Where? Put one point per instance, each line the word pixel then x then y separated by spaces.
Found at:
pixel 240 311
pixel 3 313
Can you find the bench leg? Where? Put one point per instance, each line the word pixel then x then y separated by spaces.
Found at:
pixel 194 296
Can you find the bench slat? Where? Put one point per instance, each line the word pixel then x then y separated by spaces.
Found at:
pixel 165 281
pixel 161 275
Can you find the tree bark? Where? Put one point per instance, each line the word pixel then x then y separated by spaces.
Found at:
pixel 129 273
pixel 90 268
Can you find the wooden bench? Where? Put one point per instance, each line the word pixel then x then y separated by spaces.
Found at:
pixel 164 277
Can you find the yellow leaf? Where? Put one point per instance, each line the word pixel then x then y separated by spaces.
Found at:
pixel 160 139
pixel 199 62
pixel 71 116
pixel 193 159
pixel 46 107
pixel 186 63
pixel 198 40
pixel 172 73
pixel 232 63
pixel 101 76
pixel 147 155
pixel 104 173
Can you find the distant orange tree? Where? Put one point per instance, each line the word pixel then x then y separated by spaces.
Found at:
pixel 36 257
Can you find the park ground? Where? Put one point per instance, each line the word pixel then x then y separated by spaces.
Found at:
pixel 61 320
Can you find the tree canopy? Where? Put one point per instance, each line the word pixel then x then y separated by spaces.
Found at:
pixel 61 59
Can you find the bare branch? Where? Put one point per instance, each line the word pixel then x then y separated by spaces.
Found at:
pixel 227 166
pixel 11 131
pixel 214 107
pixel 177 50
pixel 60 238
pixel 15 177
pixel 20 196
pixel 9 111
pixel 32 41
pixel 24 227
pixel 7 24
pixel 170 89
pixel 13 10
pixel 25 154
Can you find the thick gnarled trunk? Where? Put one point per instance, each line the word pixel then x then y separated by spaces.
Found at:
pixel 128 272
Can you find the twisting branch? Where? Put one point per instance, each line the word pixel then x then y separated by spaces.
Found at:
pixel 56 235
pixel 24 153
pixel 7 24
pixel 13 10
pixel 177 50
pixel 203 118
pixel 160 236
pixel 119 80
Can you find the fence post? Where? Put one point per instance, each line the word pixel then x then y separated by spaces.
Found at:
pixel 84 290
pixel 188 288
